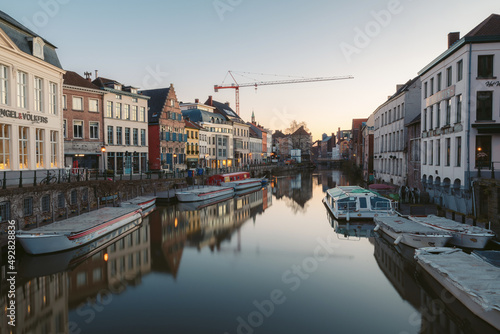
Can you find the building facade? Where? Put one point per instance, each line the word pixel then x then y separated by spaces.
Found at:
pixel 460 118
pixel 367 155
pixel 125 126
pixel 167 148
pixel 31 83
pixel 83 127
pixel 389 133
pixel 192 145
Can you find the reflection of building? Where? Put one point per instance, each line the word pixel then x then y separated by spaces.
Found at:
pixel 297 188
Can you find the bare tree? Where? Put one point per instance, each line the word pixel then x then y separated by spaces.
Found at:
pixel 294 126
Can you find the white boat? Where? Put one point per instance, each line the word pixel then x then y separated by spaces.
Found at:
pixel 474 282
pixel 80 230
pixel 143 202
pixel 411 233
pixel 203 193
pixel 354 202
pixel 244 184
pixel 463 235
pixel 237 180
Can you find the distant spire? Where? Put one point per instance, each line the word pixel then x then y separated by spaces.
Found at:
pixel 253 117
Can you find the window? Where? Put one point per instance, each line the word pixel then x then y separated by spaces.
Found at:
pixel 431 118
pixel 23 147
pixel 484 106
pixel 110 135
pixel 483 151
pixel 77 103
pixel 109 109
pixel 127 136
pixel 460 70
pixel 133 115
pixel 46 203
pixel 449 77
pixel 136 136
pixel 485 66
pixel 22 82
pixel 65 102
pixel 4 211
pixel 28 206
pixel 54 149
pixel 77 129
pixel 459 109
pixel 424 125
pixel 142 114
pixel 118 110
pixel 4 84
pixel 438 115
pixel 438 152
pixel 39 134
pixel 143 137
pixel 448 151
pixel 94 130
pixel 431 152
pixel 117 96
pixel 61 201
pixel 432 87
pixel 53 98
pixel 425 90
pixel 439 80
pixel 126 111
pixel 38 94
pixel 458 157
pixel 4 146
pixel 93 105
pixel 73 197
pixel 134 99
pixel 448 112
pixel 119 135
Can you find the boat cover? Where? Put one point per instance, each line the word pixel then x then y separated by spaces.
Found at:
pixel 403 225
pixel 471 275
pixel 450 224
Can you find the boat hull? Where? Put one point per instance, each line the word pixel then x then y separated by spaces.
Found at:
pixel 416 240
pixel 196 195
pixel 51 242
pixel 243 184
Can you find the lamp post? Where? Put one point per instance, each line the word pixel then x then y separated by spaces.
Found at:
pixel 175 157
pixel 206 160
pixel 103 150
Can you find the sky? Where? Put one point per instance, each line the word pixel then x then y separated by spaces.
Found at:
pixel 192 44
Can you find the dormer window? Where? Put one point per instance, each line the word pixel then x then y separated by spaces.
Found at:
pixel 37 47
pixel 117 87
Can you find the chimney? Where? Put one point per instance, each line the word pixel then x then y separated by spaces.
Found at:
pixel 196 100
pixel 96 75
pixel 452 38
pixel 226 103
pixel 88 76
pixel 210 101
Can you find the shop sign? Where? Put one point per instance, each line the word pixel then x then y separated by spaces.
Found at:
pixel 23 116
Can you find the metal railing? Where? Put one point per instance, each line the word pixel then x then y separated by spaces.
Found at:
pixel 490 165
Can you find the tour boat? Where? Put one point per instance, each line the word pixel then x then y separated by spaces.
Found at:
pixel 411 233
pixel 469 279
pixel 349 202
pixel 79 230
pixel 203 193
pixel 238 180
pixel 464 235
pixel 143 202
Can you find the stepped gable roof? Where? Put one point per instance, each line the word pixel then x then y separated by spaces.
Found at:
pixel 74 79
pixel 301 132
pixel 158 98
pixel 223 109
pixel 21 35
pixel 489 27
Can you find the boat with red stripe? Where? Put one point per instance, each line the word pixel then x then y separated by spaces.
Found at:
pixel 203 193
pixel 79 230
pixel 237 180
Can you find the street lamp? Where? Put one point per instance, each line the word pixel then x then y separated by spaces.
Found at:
pixel 175 157
pixel 103 150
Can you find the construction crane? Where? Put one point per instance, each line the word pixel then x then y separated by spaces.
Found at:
pixel 237 86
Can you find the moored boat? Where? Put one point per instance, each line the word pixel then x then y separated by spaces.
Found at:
pixel 474 282
pixel 354 202
pixel 463 235
pixel 143 202
pixel 78 231
pixel 203 193
pixel 238 180
pixel 411 233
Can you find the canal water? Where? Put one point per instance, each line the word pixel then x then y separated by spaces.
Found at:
pixel 271 261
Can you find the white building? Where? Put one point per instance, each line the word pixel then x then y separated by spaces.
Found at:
pixel 125 127
pixel 390 163
pixel 31 81
pixel 461 116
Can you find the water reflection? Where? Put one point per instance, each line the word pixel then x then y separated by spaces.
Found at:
pixel 352 230
pixel 294 190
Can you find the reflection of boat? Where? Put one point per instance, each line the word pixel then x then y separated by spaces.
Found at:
pixel 346 202
pixel 204 193
pixel 77 231
pixel 354 229
pixel 193 206
pixel 143 202
pixel 48 264
pixel 238 180
pixel 247 191
pixel 411 233
pixel 474 282
pixel 463 235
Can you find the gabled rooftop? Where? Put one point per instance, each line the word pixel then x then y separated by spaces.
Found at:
pixel 301 132
pixel 74 79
